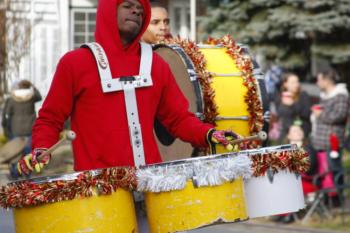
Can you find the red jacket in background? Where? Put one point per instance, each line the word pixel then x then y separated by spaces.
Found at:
pixel 99 119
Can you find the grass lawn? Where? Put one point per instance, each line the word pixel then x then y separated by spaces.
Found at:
pixel 346 159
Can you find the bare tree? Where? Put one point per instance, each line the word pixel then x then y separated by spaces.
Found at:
pixel 15 37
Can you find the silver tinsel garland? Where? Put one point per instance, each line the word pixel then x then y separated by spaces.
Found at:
pixel 203 172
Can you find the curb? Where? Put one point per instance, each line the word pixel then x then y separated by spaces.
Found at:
pixel 292 228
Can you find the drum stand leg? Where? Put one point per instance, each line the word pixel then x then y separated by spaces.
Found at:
pixel 318 203
pixel 296 217
pixel 142 223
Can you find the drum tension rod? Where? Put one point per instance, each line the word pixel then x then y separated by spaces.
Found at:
pixel 242 118
pixel 237 74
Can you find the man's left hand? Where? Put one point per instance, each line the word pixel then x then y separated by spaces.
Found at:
pixel 222 137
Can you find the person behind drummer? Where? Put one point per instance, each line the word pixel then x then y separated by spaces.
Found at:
pixel 329 119
pixel 296 136
pixel 159 26
pixel 159 30
pixel 101 120
pixel 292 104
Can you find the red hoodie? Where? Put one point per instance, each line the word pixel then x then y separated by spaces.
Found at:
pixel 99 119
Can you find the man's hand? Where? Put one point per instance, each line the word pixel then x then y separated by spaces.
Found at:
pixel 30 162
pixel 222 137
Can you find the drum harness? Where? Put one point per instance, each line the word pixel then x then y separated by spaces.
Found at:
pixel 127 84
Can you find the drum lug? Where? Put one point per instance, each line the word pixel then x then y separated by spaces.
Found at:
pixel 258 74
pixel 270 175
pixel 195 181
pixel 199 115
pixel 99 189
pixel 267 116
pixel 192 74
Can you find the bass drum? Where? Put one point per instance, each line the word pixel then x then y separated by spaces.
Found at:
pixel 179 64
pixel 230 91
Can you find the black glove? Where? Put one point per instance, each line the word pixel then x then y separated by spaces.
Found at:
pixel 222 137
pixel 30 162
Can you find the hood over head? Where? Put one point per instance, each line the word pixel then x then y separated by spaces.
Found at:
pixel 340 89
pixel 22 90
pixel 22 94
pixel 107 30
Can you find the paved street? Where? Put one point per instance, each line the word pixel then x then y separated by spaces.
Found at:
pixel 251 227
pixel 6 222
pixel 6 226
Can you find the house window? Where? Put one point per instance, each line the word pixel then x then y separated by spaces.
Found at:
pixel 179 12
pixel 83 28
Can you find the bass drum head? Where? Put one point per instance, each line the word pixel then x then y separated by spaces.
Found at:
pixel 178 149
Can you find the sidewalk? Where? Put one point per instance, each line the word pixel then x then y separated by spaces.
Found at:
pixel 6 221
pixel 6 226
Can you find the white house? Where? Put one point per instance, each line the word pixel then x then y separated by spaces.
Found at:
pixel 61 25
pixel 49 21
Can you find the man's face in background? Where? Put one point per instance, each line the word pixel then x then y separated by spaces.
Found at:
pixel 159 28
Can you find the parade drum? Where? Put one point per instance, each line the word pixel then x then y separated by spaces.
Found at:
pixel 90 201
pixel 240 94
pixel 275 187
pixel 224 93
pixel 187 194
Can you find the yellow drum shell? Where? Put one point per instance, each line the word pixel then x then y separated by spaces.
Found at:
pixel 113 213
pixel 192 207
pixel 229 91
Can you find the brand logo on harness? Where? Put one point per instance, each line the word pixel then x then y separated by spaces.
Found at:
pixel 102 62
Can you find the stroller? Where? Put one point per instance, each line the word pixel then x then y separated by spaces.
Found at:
pixel 321 188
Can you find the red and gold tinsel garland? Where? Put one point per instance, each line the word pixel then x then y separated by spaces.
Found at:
pixel 245 65
pixel 26 193
pixel 204 77
pixel 294 160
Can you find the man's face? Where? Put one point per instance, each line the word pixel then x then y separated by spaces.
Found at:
pixel 130 19
pixel 158 29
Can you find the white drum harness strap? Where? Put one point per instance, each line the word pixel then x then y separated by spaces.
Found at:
pixel 127 84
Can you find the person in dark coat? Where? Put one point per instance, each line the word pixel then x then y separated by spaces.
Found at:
pixel 293 104
pixel 19 111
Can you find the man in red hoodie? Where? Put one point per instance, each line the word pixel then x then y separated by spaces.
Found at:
pixel 102 120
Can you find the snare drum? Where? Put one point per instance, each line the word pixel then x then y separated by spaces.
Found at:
pixel 88 201
pixel 220 97
pixel 188 194
pixel 275 187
